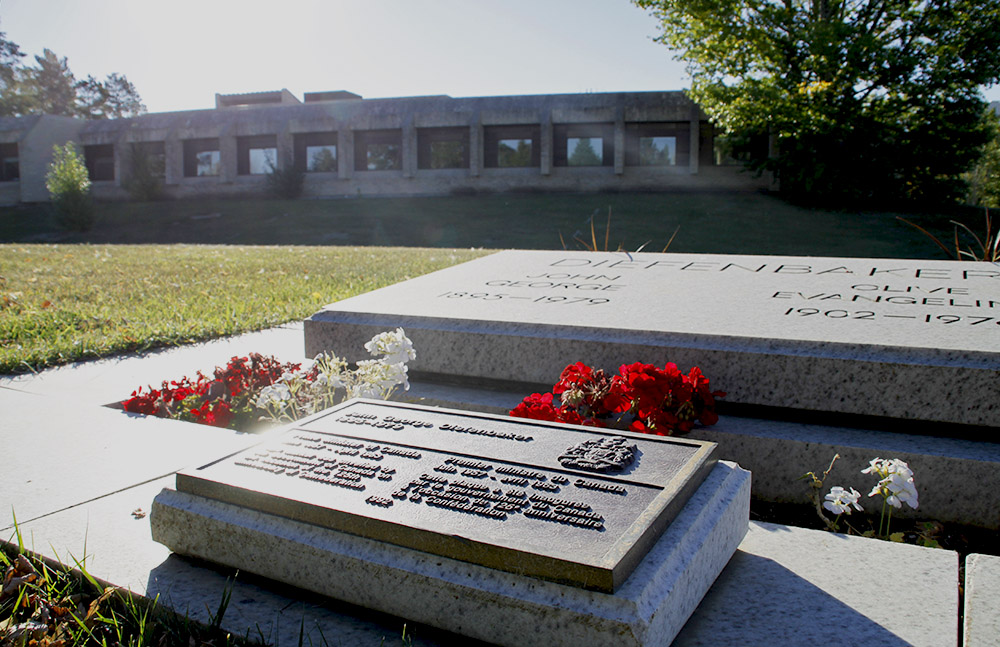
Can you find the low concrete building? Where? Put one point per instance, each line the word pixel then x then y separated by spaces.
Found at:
pixel 350 146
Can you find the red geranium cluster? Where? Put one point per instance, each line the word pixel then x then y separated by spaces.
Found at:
pixel 640 398
pixel 224 400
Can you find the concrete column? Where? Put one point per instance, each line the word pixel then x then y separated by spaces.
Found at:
pixel 619 141
pixel 409 151
pixel 546 142
pixel 476 158
pixel 345 153
pixel 123 162
pixel 695 140
pixel 286 150
pixel 227 157
pixel 174 165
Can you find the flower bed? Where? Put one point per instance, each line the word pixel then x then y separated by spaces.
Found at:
pixel 257 388
pixel 640 398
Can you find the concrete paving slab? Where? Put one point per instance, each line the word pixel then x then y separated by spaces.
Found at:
pixel 982 601
pixel 116 547
pixel 113 379
pixel 59 454
pixel 793 586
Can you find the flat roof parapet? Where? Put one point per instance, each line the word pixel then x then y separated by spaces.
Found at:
pixel 330 95
pixel 280 97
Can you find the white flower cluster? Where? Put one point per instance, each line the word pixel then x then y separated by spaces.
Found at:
pixel 276 395
pixel 839 500
pixel 328 380
pixel 896 487
pixel 395 347
pixel 897 482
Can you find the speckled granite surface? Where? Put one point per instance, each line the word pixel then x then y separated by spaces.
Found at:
pixel 503 608
pixel 982 601
pixel 791 332
pixel 791 586
pixel 949 473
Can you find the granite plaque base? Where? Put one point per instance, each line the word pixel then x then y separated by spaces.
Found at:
pixel 649 608
pixel 906 339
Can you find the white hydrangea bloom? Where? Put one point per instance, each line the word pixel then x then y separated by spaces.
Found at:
pixel 394 346
pixel 839 500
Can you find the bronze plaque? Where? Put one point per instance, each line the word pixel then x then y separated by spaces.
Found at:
pixel 575 505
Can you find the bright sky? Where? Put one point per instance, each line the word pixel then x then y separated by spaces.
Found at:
pixel 179 53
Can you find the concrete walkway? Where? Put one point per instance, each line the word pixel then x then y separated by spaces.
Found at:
pixel 79 476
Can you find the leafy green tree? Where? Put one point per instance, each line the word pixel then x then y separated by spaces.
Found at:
pixel 863 99
pixel 69 186
pixel 146 171
pixel 50 87
pixel 10 61
pixel 113 98
pixel 286 182
pixel 984 178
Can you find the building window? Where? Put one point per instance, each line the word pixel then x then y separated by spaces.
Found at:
pixel 583 145
pixel 511 146
pixel 442 148
pixel 657 144
pixel 316 152
pixel 657 151
pixel 202 158
pixel 256 155
pixel 378 150
pixel 10 167
pixel 584 151
pixel 514 152
pixel 100 161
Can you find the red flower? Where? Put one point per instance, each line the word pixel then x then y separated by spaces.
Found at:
pixel 649 399
pixel 574 376
pixel 537 406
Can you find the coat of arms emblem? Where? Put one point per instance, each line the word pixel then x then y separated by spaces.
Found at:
pixel 611 454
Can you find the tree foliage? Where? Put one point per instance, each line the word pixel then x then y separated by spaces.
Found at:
pixel 69 186
pixel 984 178
pixel 49 87
pixel 864 98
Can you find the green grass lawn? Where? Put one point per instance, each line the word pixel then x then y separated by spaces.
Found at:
pixel 61 303
pixel 725 223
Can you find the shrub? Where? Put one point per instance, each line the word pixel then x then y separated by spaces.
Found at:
pixel 69 187
pixel 286 182
pixel 144 181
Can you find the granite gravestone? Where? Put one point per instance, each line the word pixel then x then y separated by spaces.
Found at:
pixel 906 339
pixel 572 505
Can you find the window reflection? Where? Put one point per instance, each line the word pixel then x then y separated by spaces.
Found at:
pixel 447 154
pixel 321 159
pixel 513 152
pixel 657 151
pixel 383 157
pixel 584 151
pixel 262 160
pixel 208 163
